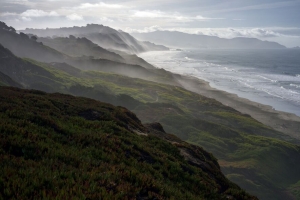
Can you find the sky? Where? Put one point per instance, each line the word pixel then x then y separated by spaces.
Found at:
pixel 272 20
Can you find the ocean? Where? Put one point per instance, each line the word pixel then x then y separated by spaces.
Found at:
pixel 270 77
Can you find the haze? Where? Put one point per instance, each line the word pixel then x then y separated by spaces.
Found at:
pixel 264 19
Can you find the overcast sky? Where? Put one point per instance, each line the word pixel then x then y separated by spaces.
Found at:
pixel 274 20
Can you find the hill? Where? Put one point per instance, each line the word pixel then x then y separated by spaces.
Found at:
pixel 60 146
pixel 184 40
pixel 78 47
pixel 7 81
pixel 24 46
pixel 104 36
pixel 251 154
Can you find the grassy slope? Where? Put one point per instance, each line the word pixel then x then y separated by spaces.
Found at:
pixel 60 146
pixel 263 165
pixel 237 140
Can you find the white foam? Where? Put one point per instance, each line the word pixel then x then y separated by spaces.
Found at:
pixel 189 59
pixel 294 85
pixel 230 69
pixel 271 93
pixel 289 91
pixel 282 77
pixel 293 92
pixel 281 93
pixel 268 79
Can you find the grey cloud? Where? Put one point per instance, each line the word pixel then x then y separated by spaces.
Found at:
pixel 12 8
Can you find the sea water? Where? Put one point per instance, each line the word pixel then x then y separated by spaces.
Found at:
pixel 270 77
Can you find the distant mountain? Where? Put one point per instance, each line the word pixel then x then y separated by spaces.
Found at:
pixel 24 46
pixel 83 47
pixel 296 47
pixel 179 39
pixel 104 36
pixel 79 47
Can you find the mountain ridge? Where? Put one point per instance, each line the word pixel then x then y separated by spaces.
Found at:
pixel 24 46
pixel 180 39
pixel 79 47
pixel 104 36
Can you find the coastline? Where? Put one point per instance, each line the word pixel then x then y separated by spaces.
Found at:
pixel 284 122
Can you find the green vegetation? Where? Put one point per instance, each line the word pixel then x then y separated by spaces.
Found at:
pixel 56 146
pixel 295 190
pixel 244 147
pixel 251 154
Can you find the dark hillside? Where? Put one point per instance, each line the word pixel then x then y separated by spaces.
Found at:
pixel 60 146
pixel 7 81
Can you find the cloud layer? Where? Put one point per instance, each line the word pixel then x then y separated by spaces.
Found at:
pixel 192 16
pixel 102 12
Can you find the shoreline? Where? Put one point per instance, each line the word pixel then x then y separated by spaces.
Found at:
pixel 282 121
pixel 287 123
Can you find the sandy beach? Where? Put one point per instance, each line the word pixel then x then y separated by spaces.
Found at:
pixel 281 121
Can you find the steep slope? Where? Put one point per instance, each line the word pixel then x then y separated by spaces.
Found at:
pixel 59 146
pixel 28 72
pixel 21 70
pixel 104 36
pixel 23 46
pixel 77 47
pixel 83 47
pixel 7 81
pixel 178 39
pixel 133 59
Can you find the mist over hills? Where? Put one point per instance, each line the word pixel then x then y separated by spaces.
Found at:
pixel 253 155
pixel 23 45
pixel 104 36
pixel 179 39
pixel 80 47
pixel 7 81
pixel 77 47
